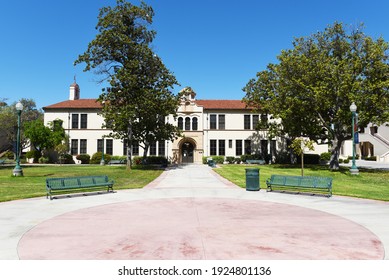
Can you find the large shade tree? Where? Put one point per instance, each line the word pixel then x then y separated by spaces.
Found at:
pixel 313 85
pixel 139 97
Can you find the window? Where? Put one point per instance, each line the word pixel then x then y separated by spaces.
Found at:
pixel 247 122
pixel 161 148
pixel 238 147
pixel 100 145
pixel 83 146
pixel 212 122
pixel 264 120
pixel 264 149
pixel 194 124
pixel 180 123
pixel 230 144
pixel 135 148
pixel 74 120
pixel 74 150
pixel 84 121
pixel 213 147
pixel 109 146
pixel 247 147
pixel 222 121
pixel 255 121
pixel 153 148
pixel 187 123
pixel 222 147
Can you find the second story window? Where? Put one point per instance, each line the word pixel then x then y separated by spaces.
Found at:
pixel 247 122
pixel 194 124
pixel 222 121
pixel 74 121
pixel 180 123
pixel 255 121
pixel 84 121
pixel 212 121
pixel 187 123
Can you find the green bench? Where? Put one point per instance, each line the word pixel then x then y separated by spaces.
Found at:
pixel 117 161
pixel 255 161
pixel 313 184
pixel 63 185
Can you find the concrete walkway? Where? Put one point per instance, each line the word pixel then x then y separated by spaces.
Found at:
pixel 192 213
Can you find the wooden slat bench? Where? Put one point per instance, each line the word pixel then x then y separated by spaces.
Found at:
pixel 63 185
pixel 255 161
pixel 315 184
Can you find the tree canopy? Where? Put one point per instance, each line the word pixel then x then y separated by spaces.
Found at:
pixel 313 85
pixel 139 96
pixel 8 120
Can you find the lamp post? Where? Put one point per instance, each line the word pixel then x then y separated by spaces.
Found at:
pixel 354 169
pixel 18 169
pixel 102 162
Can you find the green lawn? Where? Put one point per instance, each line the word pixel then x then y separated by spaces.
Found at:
pixel 33 183
pixel 370 184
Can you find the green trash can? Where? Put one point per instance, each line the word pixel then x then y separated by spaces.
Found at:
pixel 252 179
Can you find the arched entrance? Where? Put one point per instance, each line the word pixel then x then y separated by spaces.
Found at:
pixel 187 149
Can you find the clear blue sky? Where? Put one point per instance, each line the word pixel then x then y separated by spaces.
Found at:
pixel 214 46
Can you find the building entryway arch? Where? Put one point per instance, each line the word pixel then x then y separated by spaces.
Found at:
pixel 187 148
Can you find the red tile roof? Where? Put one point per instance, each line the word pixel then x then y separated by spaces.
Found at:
pixel 76 104
pixel 93 104
pixel 222 104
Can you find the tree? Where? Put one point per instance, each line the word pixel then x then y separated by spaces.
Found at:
pixel 44 137
pixel 8 120
pixel 314 84
pixel 139 97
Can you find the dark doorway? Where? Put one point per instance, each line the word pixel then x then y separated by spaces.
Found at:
pixel 187 152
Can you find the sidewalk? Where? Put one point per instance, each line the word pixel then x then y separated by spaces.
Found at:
pixel 192 213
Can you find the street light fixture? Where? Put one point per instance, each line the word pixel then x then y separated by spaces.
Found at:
pixel 18 169
pixel 354 169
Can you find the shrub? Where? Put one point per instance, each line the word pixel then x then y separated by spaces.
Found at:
pixel 33 154
pixel 218 159
pixel 43 160
pixel 96 158
pixel 372 158
pixel 119 158
pixel 67 159
pixel 346 160
pixel 340 160
pixel 9 155
pixel 309 159
pixel 325 156
pixel 205 161
pixel 150 160
pixel 238 160
pixel 230 160
pixel 282 157
pixel 85 158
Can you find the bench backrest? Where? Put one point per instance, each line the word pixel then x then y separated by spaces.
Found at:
pixel 71 182
pixel 299 181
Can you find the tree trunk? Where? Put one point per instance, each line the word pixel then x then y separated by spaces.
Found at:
pixel 145 151
pixel 129 146
pixel 336 145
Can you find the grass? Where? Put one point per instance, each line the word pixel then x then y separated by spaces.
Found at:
pixel 369 184
pixel 33 183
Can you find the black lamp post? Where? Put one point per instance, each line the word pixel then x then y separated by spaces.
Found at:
pixel 18 171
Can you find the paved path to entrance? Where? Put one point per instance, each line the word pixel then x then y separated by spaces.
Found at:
pixel 191 213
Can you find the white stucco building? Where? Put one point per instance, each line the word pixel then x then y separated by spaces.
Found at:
pixel 210 127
